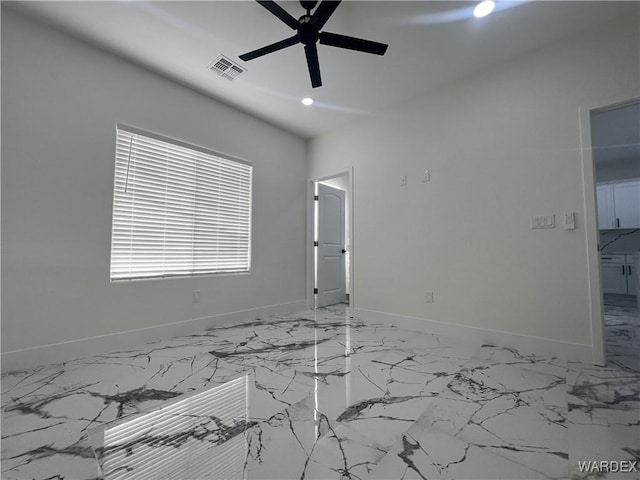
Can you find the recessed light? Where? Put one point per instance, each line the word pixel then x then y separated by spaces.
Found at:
pixel 307 101
pixel 484 8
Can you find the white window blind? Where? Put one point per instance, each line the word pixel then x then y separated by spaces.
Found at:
pixel 177 209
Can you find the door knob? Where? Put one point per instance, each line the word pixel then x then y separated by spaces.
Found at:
pixel 344 251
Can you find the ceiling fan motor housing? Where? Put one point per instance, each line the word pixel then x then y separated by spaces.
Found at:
pixel 307 33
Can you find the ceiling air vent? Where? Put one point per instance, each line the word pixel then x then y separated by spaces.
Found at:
pixel 226 68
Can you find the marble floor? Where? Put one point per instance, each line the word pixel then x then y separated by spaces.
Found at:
pixel 322 395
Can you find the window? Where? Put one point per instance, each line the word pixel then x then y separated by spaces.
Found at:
pixel 178 210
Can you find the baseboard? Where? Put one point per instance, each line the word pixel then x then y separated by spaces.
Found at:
pixel 574 352
pixel 62 352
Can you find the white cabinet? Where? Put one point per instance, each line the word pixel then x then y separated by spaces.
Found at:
pixel 605 206
pixel 618 204
pixel 614 278
pixel 618 274
pixel 626 196
pixel 632 277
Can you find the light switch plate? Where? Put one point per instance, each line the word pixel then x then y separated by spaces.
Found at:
pixel 569 220
pixel 543 221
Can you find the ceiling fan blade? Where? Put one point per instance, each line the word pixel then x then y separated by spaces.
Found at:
pixel 274 47
pixel 279 12
pixel 352 43
pixel 323 12
pixel 311 51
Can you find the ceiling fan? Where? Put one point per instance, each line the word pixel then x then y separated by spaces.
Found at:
pixel 308 33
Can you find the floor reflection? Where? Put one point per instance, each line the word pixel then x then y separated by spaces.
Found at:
pixel 200 436
pixel 322 395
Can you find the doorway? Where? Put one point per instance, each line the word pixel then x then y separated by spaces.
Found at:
pixel 614 143
pixel 330 257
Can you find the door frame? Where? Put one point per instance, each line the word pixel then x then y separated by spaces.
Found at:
pixel 311 265
pixel 592 234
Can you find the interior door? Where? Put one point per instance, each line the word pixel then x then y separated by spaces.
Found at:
pixel 330 267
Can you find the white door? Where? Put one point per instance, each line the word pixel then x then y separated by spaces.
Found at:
pixel 627 204
pixel 330 266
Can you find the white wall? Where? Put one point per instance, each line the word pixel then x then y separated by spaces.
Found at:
pixel 341 183
pixel 501 146
pixel 61 100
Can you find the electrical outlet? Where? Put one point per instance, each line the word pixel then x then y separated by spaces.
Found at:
pixel 426 176
pixel 403 181
pixel 428 297
pixel 195 296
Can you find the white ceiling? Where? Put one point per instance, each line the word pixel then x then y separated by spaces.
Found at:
pixel 431 43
